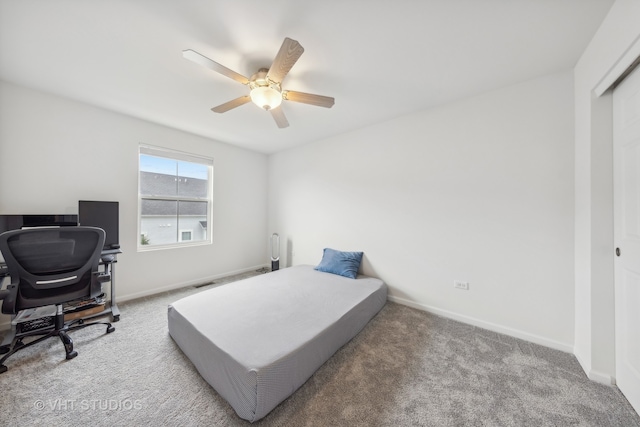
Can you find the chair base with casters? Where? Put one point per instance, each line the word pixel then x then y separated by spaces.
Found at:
pixel 60 330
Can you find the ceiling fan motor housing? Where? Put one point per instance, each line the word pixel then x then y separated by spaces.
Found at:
pixel 265 93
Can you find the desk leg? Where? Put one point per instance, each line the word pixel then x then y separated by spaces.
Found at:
pixel 115 311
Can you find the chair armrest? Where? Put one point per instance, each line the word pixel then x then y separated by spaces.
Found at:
pixel 4 272
pixel 104 277
pixel 8 298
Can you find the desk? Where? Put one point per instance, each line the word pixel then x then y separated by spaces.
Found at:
pixel 108 260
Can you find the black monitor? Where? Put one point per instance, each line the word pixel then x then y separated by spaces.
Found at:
pixel 16 222
pixel 104 215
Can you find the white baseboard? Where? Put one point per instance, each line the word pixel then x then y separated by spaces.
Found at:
pixel 486 325
pixel 601 377
pixel 597 376
pixel 202 280
pixel 6 323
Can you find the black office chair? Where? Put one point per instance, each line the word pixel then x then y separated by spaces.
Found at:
pixel 51 266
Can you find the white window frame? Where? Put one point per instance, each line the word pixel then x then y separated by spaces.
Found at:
pixel 179 156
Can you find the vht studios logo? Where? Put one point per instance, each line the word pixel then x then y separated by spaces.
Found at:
pixel 88 405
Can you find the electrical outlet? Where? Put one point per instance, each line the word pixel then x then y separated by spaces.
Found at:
pixel 458 284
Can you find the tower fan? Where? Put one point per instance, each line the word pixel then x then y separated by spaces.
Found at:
pixel 275 252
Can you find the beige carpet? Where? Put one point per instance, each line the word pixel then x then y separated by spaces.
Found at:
pixel 406 368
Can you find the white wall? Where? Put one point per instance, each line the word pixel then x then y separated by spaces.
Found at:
pixel 594 289
pixel 480 190
pixel 54 152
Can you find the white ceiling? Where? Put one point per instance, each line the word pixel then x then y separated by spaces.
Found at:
pixel 380 59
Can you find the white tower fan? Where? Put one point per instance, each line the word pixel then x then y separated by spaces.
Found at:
pixel 275 252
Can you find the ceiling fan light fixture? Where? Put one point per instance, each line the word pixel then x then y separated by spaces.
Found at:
pixel 266 97
pixel 265 86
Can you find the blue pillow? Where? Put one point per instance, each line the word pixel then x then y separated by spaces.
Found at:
pixel 342 263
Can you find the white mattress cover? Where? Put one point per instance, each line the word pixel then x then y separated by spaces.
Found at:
pixel 258 340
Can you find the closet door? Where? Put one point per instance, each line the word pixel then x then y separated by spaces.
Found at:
pixel 626 157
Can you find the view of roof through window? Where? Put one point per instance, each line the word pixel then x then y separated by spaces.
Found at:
pixel 174 200
pixel 173 167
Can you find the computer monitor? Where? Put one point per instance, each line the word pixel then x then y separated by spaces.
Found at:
pixel 104 215
pixel 16 222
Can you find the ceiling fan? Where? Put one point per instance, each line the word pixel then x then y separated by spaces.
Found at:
pixel 266 84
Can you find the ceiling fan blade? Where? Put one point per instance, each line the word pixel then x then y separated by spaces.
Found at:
pixel 279 117
pixel 194 56
pixel 308 98
pixel 223 108
pixel 287 56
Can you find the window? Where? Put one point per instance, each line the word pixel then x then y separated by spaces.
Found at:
pixel 175 192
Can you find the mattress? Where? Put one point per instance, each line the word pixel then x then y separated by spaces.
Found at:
pixel 256 341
